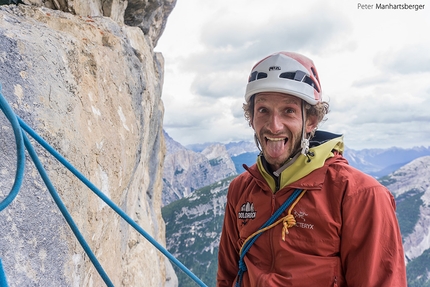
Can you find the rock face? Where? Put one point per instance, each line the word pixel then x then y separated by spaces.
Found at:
pixel 186 170
pixel 194 225
pixel 411 185
pixel 91 87
pixel 149 15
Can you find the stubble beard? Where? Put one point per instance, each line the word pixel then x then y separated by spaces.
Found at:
pixel 278 162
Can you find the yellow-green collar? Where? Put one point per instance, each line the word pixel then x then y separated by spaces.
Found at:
pixel 302 166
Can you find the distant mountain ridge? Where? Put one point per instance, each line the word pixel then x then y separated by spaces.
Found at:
pixel 380 162
pixel 233 148
pixel 186 170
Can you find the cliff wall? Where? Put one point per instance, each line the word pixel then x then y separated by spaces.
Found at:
pixel 84 75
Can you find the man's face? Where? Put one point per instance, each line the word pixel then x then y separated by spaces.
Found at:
pixel 277 122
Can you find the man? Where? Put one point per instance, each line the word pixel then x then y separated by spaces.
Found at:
pixel 301 216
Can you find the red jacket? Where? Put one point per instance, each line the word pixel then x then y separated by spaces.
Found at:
pixel 347 233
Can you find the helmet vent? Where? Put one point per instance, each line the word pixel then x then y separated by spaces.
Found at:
pixel 261 75
pixel 299 76
pixel 313 72
pixel 256 76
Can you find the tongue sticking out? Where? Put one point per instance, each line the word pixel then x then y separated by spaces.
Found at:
pixel 275 147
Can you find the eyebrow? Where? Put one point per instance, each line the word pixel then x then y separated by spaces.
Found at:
pixel 287 100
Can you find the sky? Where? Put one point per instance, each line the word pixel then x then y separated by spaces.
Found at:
pixel 374 66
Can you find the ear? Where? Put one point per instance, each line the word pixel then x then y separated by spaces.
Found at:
pixel 311 123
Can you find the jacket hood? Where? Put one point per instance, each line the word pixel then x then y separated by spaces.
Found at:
pixel 323 146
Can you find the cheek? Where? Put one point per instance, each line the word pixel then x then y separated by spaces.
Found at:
pixel 257 123
pixel 296 132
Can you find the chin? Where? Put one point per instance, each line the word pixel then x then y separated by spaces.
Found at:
pixel 275 163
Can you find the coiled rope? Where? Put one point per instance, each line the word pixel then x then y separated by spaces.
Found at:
pixel 19 126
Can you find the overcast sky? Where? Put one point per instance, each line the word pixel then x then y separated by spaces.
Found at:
pixel 374 66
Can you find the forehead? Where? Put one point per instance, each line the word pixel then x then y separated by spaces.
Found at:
pixel 277 98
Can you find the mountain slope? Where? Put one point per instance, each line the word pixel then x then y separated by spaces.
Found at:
pixel 186 170
pixel 193 225
pixel 411 187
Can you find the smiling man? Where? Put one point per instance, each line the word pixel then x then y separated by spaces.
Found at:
pixel 301 216
pixel 277 122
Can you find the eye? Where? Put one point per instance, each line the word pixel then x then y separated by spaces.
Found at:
pixel 262 110
pixel 290 110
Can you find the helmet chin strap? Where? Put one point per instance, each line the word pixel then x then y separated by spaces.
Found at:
pixel 257 142
pixel 305 141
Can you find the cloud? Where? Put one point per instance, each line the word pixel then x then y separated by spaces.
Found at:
pixel 310 28
pixel 383 104
pixel 373 65
pixel 371 80
pixel 237 109
pixel 194 113
pixel 219 84
pixel 373 135
pixel 231 46
pixel 392 111
pixel 410 59
pixel 201 126
pixel 232 42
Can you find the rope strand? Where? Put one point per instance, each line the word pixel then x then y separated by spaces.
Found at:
pixel 288 222
pixel 19 127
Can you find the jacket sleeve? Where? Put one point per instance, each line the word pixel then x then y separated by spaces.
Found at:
pixel 371 244
pixel 228 255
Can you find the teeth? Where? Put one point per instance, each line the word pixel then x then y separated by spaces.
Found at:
pixel 275 139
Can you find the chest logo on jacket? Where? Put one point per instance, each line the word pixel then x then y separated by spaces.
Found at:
pixel 246 212
pixel 302 216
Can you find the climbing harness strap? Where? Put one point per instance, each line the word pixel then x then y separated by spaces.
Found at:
pixel 288 222
pixel 22 140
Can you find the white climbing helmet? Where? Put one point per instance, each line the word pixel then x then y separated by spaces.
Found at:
pixel 288 73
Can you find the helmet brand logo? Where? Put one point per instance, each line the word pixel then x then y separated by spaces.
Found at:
pixel 274 68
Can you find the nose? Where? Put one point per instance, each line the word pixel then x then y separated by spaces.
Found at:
pixel 275 124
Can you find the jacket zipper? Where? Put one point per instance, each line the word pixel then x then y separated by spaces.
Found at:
pixel 277 183
pixel 273 205
pixel 335 282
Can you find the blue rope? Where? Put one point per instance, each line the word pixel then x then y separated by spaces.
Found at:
pixel 3 282
pixel 109 202
pixel 10 115
pixel 65 212
pixel 100 194
pixel 248 244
